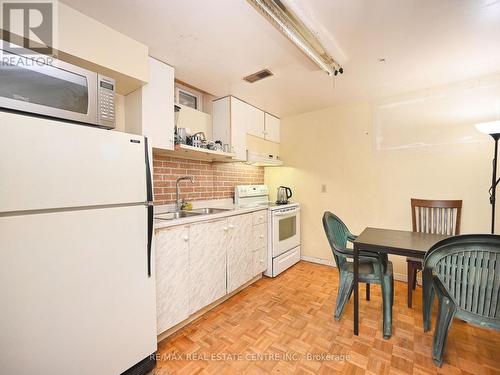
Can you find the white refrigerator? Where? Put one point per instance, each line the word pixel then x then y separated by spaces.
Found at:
pixel 77 292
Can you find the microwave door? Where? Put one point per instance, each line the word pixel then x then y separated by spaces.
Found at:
pixel 29 85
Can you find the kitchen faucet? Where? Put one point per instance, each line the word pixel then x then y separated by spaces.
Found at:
pixel 178 201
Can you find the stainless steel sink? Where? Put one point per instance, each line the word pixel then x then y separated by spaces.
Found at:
pixel 210 210
pixel 176 215
pixel 197 212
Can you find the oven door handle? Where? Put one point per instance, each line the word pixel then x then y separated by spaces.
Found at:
pixel 287 213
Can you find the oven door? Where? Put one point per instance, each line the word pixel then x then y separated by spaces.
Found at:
pixel 47 86
pixel 285 230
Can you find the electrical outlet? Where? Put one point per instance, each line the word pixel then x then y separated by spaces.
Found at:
pixel 323 188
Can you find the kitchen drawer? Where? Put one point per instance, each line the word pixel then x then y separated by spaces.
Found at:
pixel 285 261
pixel 259 261
pixel 259 236
pixel 259 217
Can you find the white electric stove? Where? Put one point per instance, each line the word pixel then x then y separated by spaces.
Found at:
pixel 283 227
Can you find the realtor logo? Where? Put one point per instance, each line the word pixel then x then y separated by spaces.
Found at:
pixel 28 26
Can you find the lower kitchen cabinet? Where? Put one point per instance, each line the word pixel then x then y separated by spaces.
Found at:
pixel 259 236
pixel 172 278
pixel 199 263
pixel 259 261
pixel 239 251
pixel 207 263
pixel 259 244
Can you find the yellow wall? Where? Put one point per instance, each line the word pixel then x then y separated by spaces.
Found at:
pixel 367 186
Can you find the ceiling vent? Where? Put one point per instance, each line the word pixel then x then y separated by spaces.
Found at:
pixel 258 76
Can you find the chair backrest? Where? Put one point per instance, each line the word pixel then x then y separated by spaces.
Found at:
pixel 468 266
pixel 436 216
pixel 337 233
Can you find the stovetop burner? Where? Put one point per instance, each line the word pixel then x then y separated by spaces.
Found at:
pixel 281 203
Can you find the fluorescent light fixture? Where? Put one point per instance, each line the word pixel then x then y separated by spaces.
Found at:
pixel 295 30
pixel 492 127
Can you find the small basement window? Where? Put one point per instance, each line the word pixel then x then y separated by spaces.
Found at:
pixel 188 98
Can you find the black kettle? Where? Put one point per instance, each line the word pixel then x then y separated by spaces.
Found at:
pixel 284 193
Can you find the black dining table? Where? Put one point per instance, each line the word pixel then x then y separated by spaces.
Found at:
pixel 397 242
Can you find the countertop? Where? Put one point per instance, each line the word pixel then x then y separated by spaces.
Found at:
pixel 232 210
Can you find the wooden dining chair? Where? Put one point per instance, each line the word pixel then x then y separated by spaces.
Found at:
pixel 431 216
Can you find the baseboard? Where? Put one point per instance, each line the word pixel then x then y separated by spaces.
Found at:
pixel 326 262
pixel 404 278
pixel 401 277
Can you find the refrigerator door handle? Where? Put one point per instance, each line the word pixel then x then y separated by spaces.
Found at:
pixel 149 181
pixel 150 236
pixel 149 199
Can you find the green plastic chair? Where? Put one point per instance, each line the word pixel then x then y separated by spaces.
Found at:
pixel 374 268
pixel 464 273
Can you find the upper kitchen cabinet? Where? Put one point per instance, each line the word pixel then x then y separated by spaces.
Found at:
pixel 84 41
pixel 254 120
pixel 149 110
pixel 229 124
pixel 271 128
pixel 233 120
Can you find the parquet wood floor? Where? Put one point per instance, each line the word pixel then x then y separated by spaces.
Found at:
pixel 291 317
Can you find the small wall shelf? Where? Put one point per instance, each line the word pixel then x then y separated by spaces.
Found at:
pixel 196 153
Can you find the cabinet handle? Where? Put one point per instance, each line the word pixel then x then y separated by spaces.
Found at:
pixel 231 226
pixel 225 229
pixel 185 238
pixel 261 236
pixel 262 260
pixel 261 217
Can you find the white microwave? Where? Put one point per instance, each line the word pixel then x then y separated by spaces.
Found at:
pixel 46 86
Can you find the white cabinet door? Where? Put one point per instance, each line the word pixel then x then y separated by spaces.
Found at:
pixel 254 121
pixel 239 114
pixel 272 128
pixel 158 105
pixel 172 276
pixel 259 236
pixel 239 251
pixel 221 120
pixel 207 263
pixel 149 110
pixel 259 261
pixel 259 217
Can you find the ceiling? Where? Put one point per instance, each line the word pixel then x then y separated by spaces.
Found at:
pixel 213 44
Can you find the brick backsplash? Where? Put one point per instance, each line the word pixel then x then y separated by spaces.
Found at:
pixel 212 180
